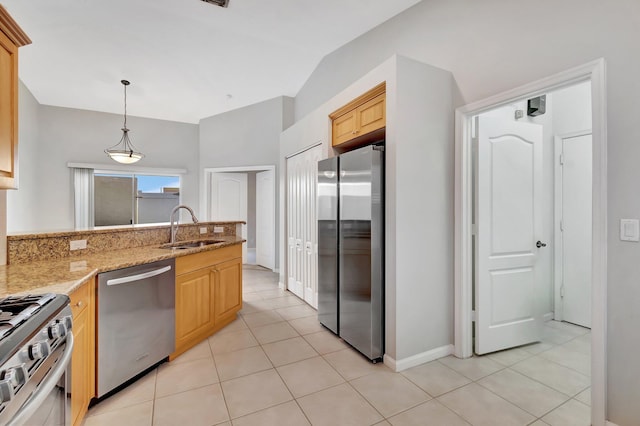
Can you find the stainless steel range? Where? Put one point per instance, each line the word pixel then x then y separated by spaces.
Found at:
pixel 35 359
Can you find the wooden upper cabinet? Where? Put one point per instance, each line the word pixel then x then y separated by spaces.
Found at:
pixel 11 37
pixel 361 120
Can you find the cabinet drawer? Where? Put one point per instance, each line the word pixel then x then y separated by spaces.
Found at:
pixel 81 298
pixel 205 259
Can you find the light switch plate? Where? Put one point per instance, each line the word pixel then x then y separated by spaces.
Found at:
pixel 203 230
pixel 218 229
pixel 629 230
pixel 78 245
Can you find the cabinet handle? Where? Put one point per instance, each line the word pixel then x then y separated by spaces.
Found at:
pixel 79 304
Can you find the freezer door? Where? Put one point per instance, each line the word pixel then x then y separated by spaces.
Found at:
pixel 327 214
pixel 361 257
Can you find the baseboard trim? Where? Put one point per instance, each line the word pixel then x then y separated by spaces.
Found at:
pixel 421 358
pixel 281 285
pixel 608 423
pixel 548 316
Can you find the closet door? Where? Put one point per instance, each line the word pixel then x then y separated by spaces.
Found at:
pixel 301 224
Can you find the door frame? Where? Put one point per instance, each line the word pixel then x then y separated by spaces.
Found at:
pixel 558 310
pixel 595 72
pixel 205 198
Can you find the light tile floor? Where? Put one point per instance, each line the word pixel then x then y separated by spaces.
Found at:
pixel 275 365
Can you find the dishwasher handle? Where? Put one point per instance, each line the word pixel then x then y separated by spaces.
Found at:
pixel 138 277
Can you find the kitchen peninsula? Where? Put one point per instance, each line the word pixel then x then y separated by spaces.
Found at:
pixel 208 286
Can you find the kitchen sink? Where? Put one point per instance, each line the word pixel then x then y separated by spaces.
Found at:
pixel 181 245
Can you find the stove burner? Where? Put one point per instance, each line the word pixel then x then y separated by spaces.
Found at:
pixel 15 310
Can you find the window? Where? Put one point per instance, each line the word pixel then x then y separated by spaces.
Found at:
pixel 124 199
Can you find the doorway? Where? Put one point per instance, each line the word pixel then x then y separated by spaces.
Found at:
pixel 512 311
pixel 246 194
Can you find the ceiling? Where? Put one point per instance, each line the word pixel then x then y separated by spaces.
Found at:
pixel 186 59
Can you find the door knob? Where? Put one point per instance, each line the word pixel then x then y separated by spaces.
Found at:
pixel 540 244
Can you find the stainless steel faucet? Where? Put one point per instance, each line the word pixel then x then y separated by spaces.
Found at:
pixel 174 231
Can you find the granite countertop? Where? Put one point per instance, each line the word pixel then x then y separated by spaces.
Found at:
pixel 66 275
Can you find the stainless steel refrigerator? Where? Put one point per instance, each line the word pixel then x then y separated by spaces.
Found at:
pixel 351 248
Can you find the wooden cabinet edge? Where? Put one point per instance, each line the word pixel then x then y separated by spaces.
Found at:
pixel 12 29
pixel 85 292
pixel 365 97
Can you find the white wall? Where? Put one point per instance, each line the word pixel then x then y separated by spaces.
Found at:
pixel 419 223
pixel 248 136
pixel 495 45
pixel 24 205
pixel 66 134
pixel 251 210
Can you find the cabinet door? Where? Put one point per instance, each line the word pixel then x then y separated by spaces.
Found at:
pixel 344 128
pixel 371 115
pixel 194 305
pixel 83 357
pixel 8 111
pixel 228 289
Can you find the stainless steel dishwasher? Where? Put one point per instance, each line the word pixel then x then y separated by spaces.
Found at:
pixel 136 321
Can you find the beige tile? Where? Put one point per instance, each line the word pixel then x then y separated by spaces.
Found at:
pixel 572 413
pixel 229 342
pixel 306 325
pixel 325 342
pixel 272 293
pixel 237 325
pixel 251 297
pixel 288 351
pixel 174 378
pixel 287 414
pixel 383 423
pixel 584 397
pixel 135 415
pixel 283 302
pixel 198 407
pixel 141 390
pixel 389 393
pixel 308 376
pixel 568 327
pixel 299 311
pixel 531 396
pixel 430 413
pixel 539 423
pixel 339 405
pixel 510 356
pixel 258 319
pixel 200 351
pixel 274 332
pixel 481 407
pixel 536 348
pixel 556 336
pixel 473 368
pixel 241 362
pixel 574 360
pixel 556 376
pixel 435 378
pixel 255 392
pixel 580 344
pixel 351 364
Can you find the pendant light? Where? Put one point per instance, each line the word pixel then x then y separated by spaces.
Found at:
pixel 124 152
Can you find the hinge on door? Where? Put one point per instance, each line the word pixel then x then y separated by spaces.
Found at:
pixel 473 316
pixel 561 159
pixel 562 290
pixel 474 229
pixel 561 226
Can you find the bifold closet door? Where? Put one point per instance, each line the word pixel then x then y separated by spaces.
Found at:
pixel 301 224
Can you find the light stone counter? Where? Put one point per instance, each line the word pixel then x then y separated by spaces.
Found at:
pixel 67 274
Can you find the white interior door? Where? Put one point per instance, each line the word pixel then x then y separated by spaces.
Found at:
pixel 508 212
pixel 229 201
pixel 265 219
pixel 575 290
pixel 301 225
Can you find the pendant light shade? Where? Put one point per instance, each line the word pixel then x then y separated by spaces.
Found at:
pixel 124 152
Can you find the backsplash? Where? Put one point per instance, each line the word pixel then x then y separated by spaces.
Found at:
pixel 56 245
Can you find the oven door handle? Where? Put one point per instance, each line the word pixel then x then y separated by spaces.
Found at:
pixel 38 397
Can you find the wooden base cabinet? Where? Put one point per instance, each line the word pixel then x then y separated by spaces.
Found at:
pixel 83 357
pixel 208 294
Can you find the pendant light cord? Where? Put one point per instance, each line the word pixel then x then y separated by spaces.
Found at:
pixel 125 104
